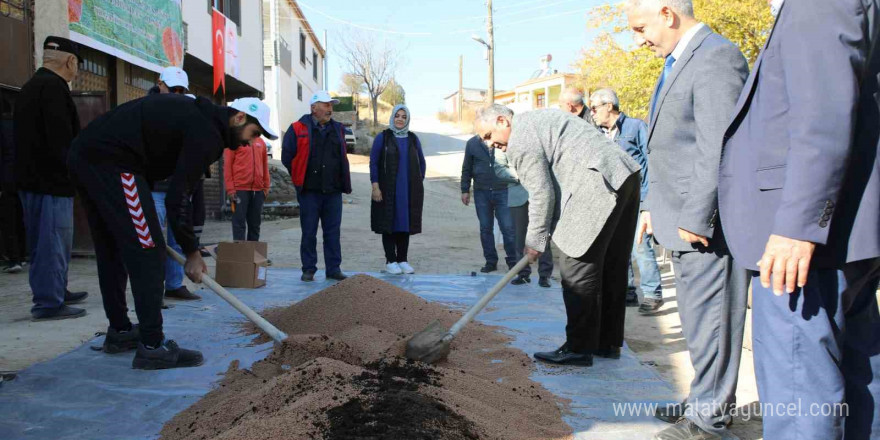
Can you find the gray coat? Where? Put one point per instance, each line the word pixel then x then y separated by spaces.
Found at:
pixel 684 140
pixel 572 172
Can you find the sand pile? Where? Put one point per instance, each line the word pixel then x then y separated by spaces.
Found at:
pixel 341 375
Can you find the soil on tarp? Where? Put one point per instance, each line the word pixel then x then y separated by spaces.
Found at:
pixel 341 375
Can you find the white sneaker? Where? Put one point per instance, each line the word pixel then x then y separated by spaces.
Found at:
pixel 407 269
pixel 393 269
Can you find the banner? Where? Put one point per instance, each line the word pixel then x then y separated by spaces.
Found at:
pixel 147 33
pixel 231 45
pixel 218 46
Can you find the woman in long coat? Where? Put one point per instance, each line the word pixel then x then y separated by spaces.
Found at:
pixel 397 171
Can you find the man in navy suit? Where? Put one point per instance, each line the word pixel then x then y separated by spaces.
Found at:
pixel 799 198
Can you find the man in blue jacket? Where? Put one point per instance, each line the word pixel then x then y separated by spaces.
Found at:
pixel 799 197
pixel 632 136
pixel 490 199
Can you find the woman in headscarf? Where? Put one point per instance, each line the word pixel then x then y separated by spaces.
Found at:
pixel 397 171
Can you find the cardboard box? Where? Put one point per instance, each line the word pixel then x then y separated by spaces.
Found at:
pixel 242 264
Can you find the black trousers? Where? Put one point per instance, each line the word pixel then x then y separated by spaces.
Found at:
pixel 248 215
pixel 198 210
pixel 12 227
pixel 396 247
pixel 594 284
pixel 128 244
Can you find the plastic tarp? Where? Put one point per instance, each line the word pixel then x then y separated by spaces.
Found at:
pixel 85 394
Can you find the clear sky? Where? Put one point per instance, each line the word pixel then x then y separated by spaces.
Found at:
pixel 433 33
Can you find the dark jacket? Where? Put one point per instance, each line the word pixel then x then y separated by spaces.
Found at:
pixel 45 124
pixel 586 115
pixel 7 156
pixel 296 149
pixel 382 213
pixel 800 158
pixel 479 166
pixel 161 136
pixel 632 136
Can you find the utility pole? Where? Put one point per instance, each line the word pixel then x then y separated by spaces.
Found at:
pixel 460 87
pixel 490 96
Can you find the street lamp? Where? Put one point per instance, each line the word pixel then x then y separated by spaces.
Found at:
pixel 490 95
pixel 480 40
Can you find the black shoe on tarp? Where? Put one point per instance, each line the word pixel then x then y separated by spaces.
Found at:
pixel 489 267
pixel 121 341
pixel 182 293
pixel 167 355
pixel 338 276
pixel 63 312
pixel 564 356
pixel 520 280
pixel 544 282
pixel 308 277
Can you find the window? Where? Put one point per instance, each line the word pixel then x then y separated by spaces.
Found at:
pixel 14 9
pixel 302 47
pixel 230 8
pixel 139 77
pixel 299 91
pixel 315 65
pixel 541 100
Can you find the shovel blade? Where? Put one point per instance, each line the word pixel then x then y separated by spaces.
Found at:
pixel 429 345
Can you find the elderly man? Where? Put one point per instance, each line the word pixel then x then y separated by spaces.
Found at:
pixel 573 101
pixel 632 136
pixel 45 123
pixel 313 151
pixel 692 103
pixel 584 191
pixel 800 201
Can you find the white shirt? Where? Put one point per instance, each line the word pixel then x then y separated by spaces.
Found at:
pixel 685 40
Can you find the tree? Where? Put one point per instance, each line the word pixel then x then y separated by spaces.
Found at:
pixel 632 72
pixel 394 93
pixel 352 85
pixel 375 64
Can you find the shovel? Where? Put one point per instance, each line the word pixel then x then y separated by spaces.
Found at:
pixel 432 344
pixel 277 335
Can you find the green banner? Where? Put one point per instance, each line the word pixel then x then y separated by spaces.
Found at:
pixel 148 33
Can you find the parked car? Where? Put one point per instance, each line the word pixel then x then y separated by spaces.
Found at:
pixel 350 140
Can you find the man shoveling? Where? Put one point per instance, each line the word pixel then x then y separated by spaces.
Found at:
pixel 112 163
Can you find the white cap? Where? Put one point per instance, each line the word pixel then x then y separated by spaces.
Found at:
pixel 174 77
pixel 258 110
pixel 323 96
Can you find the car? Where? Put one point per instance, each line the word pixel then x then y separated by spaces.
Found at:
pixel 350 139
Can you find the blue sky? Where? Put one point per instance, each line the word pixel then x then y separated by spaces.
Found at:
pixel 433 33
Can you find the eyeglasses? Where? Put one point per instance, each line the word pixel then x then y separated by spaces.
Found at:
pixel 593 108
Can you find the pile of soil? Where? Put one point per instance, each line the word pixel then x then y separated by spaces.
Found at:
pixel 341 375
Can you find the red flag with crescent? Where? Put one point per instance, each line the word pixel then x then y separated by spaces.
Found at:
pixel 218 30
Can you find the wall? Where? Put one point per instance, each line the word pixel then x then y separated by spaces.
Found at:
pixel 250 44
pixel 50 18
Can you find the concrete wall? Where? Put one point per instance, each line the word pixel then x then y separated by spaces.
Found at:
pixel 50 18
pixel 250 44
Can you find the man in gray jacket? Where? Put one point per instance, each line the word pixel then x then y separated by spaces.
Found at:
pixel 692 104
pixel 584 191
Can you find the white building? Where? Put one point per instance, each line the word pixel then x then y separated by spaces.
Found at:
pixel 471 98
pixel 541 90
pixel 293 62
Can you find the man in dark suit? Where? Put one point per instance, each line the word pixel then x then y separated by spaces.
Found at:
pixel 693 100
pixel 800 201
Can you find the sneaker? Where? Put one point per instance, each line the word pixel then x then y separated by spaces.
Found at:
pixel 685 430
pixel 407 269
pixel 308 277
pixel 121 341
pixel 74 297
pixel 650 307
pixel 520 280
pixel 181 293
pixel 167 355
pixel 393 269
pixel 489 268
pixel 338 276
pixel 12 268
pixel 63 312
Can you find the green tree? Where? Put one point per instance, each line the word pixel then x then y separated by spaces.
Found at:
pixel 632 72
pixel 394 93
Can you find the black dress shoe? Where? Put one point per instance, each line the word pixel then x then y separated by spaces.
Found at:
pixel 544 282
pixel 672 413
pixel 74 297
pixel 182 293
pixel 685 430
pixel 338 276
pixel 308 277
pixel 564 356
pixel 167 355
pixel 650 307
pixel 63 312
pixel 520 280
pixel 121 341
pixel 489 268
pixel 608 353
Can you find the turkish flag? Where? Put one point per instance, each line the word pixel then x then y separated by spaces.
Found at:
pixel 218 29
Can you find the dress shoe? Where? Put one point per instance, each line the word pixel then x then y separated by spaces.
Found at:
pixel 544 282
pixel 671 413
pixel 650 306
pixel 685 430
pixel 608 353
pixel 121 341
pixel 63 312
pixel 338 276
pixel 520 280
pixel 74 297
pixel 564 356
pixel 167 355
pixel 489 268
pixel 181 293
pixel 308 277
